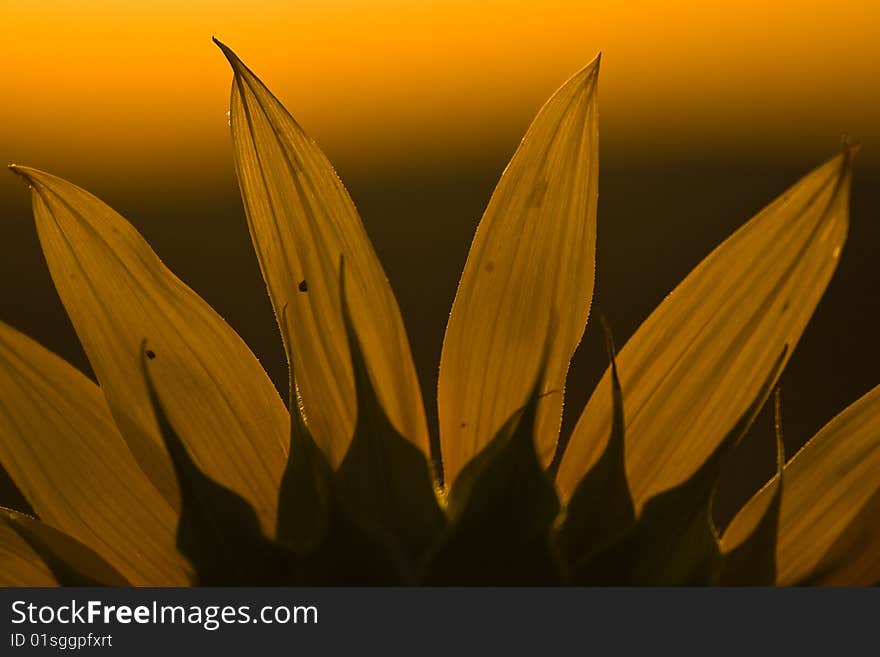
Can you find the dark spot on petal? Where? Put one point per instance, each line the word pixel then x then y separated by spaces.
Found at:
pixel 463 425
pixel 786 305
pixel 151 354
pixel 539 191
pixel 303 286
pixel 490 267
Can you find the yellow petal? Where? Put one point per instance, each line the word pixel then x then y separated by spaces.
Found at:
pixel 59 444
pixel 20 565
pixel 829 484
pixel 854 558
pixel 117 293
pixel 699 360
pixel 72 562
pixel 533 254
pixel 301 221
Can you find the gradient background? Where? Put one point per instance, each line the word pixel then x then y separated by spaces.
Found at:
pixel 709 110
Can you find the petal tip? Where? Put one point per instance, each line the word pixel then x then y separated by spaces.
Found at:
pixel 25 173
pixel 587 75
pixel 223 47
pixel 849 148
pixel 592 69
pixel 33 177
pixel 230 55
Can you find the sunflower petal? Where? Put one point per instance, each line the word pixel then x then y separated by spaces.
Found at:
pixel 696 363
pixel 72 563
pixel 829 484
pixel 60 446
pixel 20 565
pixel 533 253
pixel 301 220
pixel 117 292
pixel 854 558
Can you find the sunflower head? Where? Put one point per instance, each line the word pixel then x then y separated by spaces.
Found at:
pixel 183 464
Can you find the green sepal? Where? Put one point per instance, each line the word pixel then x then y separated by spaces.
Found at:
pixel 218 530
pixel 501 507
pixel 351 555
pixel 384 479
pixel 601 507
pixel 71 562
pixel 753 562
pixel 305 498
pixel 332 548
pixel 673 542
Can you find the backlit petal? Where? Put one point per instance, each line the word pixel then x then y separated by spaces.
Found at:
pixel 698 361
pixel 117 293
pixel 59 444
pixel 831 493
pixel 20 565
pixel 533 257
pixel 302 220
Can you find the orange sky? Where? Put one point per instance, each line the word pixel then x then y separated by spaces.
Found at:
pixel 117 88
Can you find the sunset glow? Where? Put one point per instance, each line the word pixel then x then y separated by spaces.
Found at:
pixel 88 84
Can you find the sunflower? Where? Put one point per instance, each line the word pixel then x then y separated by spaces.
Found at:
pixel 183 465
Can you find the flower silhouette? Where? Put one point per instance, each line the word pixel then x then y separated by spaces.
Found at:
pixel 183 465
